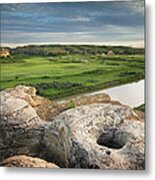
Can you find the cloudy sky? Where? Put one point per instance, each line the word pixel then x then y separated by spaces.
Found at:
pixel 113 22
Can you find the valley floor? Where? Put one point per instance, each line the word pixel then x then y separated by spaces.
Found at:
pixel 65 75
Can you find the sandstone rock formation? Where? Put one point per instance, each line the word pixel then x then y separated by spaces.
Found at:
pixel 26 162
pixel 19 133
pixel 110 52
pixel 104 135
pixel 4 53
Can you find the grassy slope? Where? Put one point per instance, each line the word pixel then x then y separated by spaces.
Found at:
pixel 91 72
pixel 140 108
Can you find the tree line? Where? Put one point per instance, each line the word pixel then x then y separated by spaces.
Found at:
pixel 53 50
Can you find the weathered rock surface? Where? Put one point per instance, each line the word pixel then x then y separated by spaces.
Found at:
pixel 19 123
pixel 100 136
pixel 86 100
pixel 49 110
pixel 26 162
pixel 104 135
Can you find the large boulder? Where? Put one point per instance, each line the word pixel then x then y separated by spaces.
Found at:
pixel 104 135
pixel 20 131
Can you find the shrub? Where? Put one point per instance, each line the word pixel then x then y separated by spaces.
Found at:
pixel 71 104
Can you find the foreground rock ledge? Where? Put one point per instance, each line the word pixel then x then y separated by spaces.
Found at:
pixel 100 135
pixel 26 162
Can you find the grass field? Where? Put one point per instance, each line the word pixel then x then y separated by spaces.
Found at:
pixel 64 75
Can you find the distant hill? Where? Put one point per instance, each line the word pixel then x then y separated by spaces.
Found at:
pixel 47 50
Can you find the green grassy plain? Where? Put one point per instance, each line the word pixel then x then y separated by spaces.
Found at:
pixel 64 75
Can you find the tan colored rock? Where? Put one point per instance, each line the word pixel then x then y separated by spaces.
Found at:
pixel 48 110
pixel 26 162
pixel 4 53
pixel 23 92
pixel 110 52
pixel 86 100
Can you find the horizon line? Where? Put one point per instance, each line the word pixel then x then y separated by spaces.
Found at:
pixel 127 44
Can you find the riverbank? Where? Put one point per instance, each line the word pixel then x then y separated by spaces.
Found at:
pixel 99 88
pixel 131 94
pixel 140 108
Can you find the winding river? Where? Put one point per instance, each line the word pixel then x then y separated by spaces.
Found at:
pixel 131 94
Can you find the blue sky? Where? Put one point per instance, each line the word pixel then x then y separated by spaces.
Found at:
pixel 118 22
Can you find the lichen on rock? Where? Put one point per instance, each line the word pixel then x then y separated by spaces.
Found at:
pixel 90 131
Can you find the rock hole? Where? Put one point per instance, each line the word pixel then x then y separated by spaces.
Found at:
pixel 114 138
pixel 108 152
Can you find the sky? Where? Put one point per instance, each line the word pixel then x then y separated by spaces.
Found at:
pixel 111 23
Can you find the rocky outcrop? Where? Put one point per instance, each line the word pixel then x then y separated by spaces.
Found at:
pixel 100 136
pixel 86 100
pixel 20 131
pixel 110 52
pixel 4 53
pixel 104 135
pixel 26 162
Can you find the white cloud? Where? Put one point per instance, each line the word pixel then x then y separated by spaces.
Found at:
pixel 80 19
pixel 106 33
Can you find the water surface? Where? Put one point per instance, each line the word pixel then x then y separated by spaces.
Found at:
pixel 130 94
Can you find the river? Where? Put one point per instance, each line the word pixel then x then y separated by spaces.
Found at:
pixel 131 94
